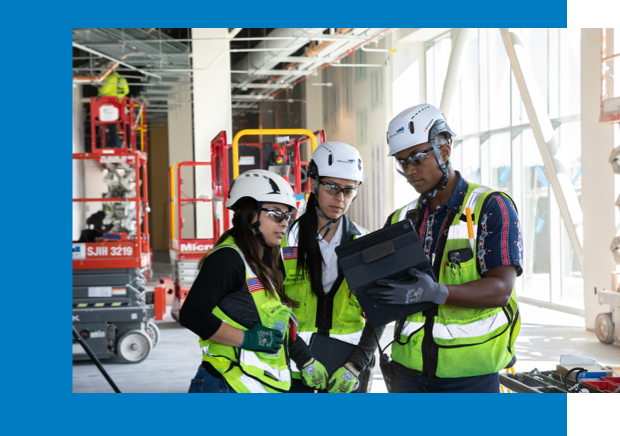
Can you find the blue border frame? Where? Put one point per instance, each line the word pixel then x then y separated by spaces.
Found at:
pixel 37 364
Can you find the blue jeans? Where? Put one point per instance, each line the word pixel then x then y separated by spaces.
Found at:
pixel 205 383
pixel 404 383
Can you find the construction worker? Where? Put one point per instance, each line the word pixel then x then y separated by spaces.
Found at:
pixel 237 305
pixel 114 85
pixel 461 344
pixel 313 277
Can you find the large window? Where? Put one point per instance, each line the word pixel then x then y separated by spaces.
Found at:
pixel 437 57
pixel 495 144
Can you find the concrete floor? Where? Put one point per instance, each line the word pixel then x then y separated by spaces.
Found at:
pixel 545 335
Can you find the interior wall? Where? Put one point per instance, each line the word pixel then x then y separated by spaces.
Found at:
pixel 78 165
pixel 284 113
pixel 212 111
pixel 181 149
pixel 158 187
pixel 313 107
pixel 597 141
pixel 356 109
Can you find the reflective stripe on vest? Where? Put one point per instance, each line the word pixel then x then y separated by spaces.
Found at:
pixel 351 338
pixel 410 327
pixel 244 370
pixel 460 231
pixel 254 386
pixel 471 330
pixel 250 358
pixel 404 210
pixel 473 198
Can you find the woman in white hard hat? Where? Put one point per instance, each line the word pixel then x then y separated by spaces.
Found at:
pixel 314 279
pixel 237 305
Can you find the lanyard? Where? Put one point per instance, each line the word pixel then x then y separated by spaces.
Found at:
pixel 428 240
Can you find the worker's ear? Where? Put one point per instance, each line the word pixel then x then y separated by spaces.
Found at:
pixel 312 183
pixel 445 152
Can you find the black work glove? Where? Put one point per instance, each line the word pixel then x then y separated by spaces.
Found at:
pixel 417 290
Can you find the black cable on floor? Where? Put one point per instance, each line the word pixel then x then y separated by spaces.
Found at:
pixel 579 371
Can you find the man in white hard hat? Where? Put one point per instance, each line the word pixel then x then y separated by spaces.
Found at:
pixel 471 236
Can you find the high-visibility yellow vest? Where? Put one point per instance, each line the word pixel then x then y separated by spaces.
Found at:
pixel 450 341
pixel 114 85
pixel 252 371
pixel 347 322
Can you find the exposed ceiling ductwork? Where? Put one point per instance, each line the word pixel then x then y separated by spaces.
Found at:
pixel 251 78
pixel 280 60
pixel 150 53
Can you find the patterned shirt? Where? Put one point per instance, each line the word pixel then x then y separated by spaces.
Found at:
pixel 499 232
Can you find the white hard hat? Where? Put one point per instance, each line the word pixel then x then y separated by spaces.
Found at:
pixel 337 159
pixel 263 186
pixel 416 125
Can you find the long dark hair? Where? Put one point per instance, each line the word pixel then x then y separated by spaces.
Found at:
pixel 309 257
pixel 253 251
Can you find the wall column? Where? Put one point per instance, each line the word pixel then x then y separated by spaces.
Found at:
pixel 598 196
pixel 212 111
pixel 181 149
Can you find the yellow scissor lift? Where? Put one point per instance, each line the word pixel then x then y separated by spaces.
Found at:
pixel 282 156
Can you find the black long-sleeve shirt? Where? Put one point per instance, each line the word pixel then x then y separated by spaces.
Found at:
pixel 221 282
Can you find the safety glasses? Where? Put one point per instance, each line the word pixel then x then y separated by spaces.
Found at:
pixel 414 160
pixel 334 190
pixel 277 215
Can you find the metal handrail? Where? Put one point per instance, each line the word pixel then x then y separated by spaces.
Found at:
pixel 235 145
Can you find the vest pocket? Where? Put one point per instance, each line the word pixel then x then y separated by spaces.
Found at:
pixel 481 359
pixel 348 309
pixel 407 348
pixel 298 294
pixel 478 347
pixel 466 273
pixel 273 311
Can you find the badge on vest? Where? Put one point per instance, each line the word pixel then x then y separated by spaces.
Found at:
pixel 254 284
pixel 289 253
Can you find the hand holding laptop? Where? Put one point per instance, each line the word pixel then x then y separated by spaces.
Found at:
pixel 421 288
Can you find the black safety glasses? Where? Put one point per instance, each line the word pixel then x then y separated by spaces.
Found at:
pixel 334 190
pixel 414 160
pixel 277 215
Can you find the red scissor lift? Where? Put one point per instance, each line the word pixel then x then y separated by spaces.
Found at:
pixel 111 309
pixel 187 252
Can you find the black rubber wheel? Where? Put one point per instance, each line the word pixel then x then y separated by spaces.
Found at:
pixel 604 327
